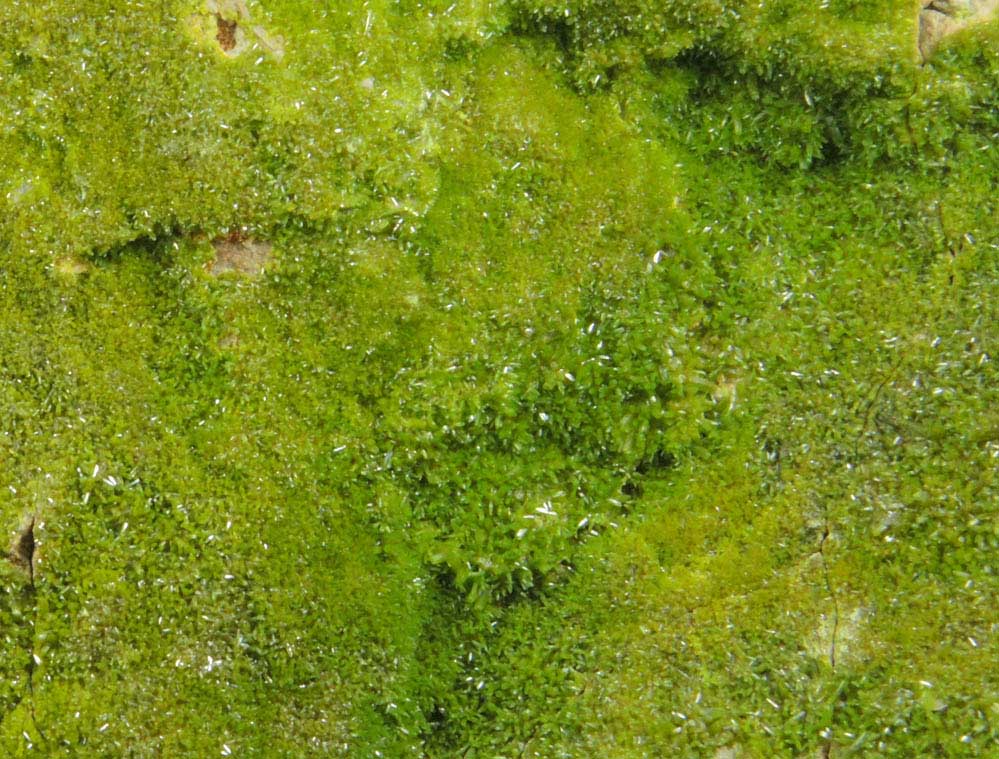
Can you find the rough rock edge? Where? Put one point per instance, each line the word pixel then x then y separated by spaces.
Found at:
pixel 236 31
pixel 938 19
pixel 23 552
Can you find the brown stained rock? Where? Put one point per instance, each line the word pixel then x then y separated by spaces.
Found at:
pixel 22 552
pixel 226 35
pixel 235 30
pixel 241 254
pixel 938 19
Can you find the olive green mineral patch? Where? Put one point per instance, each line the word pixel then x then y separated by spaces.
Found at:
pixel 70 266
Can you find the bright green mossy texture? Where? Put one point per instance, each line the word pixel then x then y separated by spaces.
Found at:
pixel 621 382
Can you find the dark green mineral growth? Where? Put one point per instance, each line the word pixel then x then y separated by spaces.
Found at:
pixel 499 378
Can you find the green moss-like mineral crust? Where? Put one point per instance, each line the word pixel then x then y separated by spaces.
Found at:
pixel 500 378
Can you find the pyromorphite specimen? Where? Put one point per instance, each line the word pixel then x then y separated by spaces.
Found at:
pixel 497 379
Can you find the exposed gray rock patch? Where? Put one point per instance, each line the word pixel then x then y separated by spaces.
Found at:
pixel 240 254
pixel 939 19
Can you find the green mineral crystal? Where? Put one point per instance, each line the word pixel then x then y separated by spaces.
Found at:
pixel 499 378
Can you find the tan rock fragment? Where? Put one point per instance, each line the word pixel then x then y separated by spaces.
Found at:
pixel 938 19
pixel 238 253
